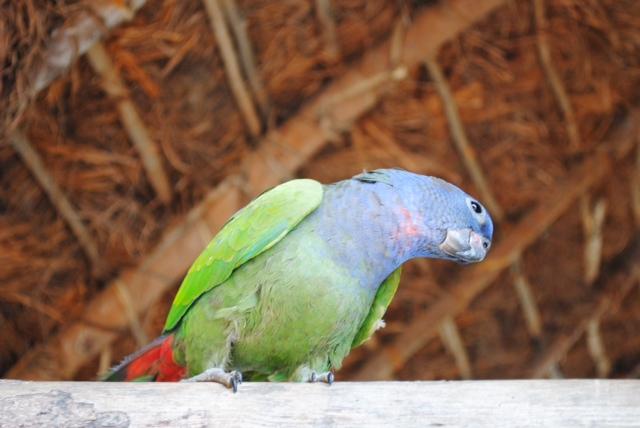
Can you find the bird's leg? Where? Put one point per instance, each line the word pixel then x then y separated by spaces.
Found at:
pixel 306 374
pixel 326 377
pixel 229 379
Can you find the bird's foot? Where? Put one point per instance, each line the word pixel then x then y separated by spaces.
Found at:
pixel 326 377
pixel 229 379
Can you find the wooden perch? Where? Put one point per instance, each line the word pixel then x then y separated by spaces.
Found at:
pixel 65 209
pixel 232 67
pixel 623 275
pixel 277 158
pixel 147 148
pixel 92 22
pixel 495 404
pixel 469 157
pixel 473 280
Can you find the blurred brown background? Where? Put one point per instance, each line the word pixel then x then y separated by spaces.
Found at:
pixel 120 159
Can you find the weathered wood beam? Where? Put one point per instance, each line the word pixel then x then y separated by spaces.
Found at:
pixel 476 278
pixel 147 149
pixel 232 66
pixel 495 404
pixel 429 30
pixel 573 134
pixel 527 301
pixel 238 25
pixel 530 309
pixel 392 147
pixel 597 349
pixel 635 189
pixel 452 340
pixel 107 314
pixel 58 198
pixel 324 11
pixel 460 140
pixel 553 77
pixel 592 223
pixel 623 275
pixel 282 152
pixel 448 329
pixel 92 22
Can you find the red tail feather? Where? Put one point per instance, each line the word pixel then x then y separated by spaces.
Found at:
pixel 153 362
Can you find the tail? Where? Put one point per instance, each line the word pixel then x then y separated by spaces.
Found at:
pixel 153 363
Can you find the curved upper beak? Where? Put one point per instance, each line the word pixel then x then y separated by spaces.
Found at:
pixel 465 245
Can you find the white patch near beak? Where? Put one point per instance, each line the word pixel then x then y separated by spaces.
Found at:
pixel 465 245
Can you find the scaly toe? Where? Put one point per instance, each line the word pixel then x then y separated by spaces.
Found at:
pixel 330 378
pixel 229 379
pixel 326 377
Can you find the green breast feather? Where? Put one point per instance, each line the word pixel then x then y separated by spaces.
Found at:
pixel 251 231
pixel 381 302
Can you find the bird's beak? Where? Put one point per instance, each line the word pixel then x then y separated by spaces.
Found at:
pixel 465 245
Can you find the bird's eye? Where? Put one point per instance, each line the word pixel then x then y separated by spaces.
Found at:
pixel 477 211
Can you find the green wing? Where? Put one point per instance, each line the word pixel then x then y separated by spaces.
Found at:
pixel 380 304
pixel 252 230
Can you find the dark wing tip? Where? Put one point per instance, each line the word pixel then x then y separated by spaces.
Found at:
pixel 372 177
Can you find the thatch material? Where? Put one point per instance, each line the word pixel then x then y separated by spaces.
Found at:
pixel 42 40
pixel 168 58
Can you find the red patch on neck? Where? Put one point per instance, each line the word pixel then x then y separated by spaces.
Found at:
pixel 408 226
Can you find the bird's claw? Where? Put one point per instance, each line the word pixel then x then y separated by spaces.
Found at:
pixel 229 379
pixel 326 377
pixel 235 379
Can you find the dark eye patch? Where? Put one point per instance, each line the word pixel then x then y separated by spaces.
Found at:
pixel 476 207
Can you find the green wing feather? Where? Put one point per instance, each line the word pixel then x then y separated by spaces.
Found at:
pixel 381 302
pixel 251 231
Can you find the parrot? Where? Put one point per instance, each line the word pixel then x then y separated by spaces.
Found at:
pixel 303 274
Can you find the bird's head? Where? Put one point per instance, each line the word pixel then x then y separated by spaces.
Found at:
pixel 459 225
pixel 443 221
pixel 435 218
pixel 469 240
